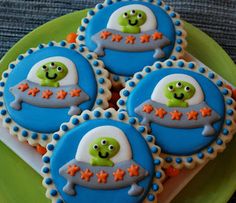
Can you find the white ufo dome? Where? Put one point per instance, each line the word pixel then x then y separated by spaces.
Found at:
pixel 70 79
pixel 158 92
pixel 124 153
pixel 150 24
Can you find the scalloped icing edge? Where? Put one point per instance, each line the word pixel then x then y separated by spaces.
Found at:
pixel 101 101
pixel 178 23
pixel 230 114
pixel 87 115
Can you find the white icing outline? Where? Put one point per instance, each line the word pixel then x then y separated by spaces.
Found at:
pixel 150 24
pixel 114 116
pixel 71 77
pixel 122 79
pixel 124 153
pixel 216 147
pixel 158 94
pixel 104 97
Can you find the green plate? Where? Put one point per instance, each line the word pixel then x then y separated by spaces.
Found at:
pixel 215 183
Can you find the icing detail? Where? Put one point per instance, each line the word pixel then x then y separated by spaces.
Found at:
pixel 86 175
pixel 102 177
pixel 205 111
pixel 147 108
pixel 176 115
pixel 192 115
pixel 102 150
pixel 61 94
pixel 116 38
pixel 46 94
pixel 160 112
pixel 72 170
pixel 132 20
pixel 130 39
pixel 157 35
pixel 133 170
pixel 23 87
pixel 33 91
pixel 105 34
pixel 75 93
pixel 119 174
pixel 52 72
pixel 145 38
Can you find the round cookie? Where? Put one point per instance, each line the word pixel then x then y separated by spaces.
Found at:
pixel 128 35
pixel 102 156
pixel 47 85
pixel 186 107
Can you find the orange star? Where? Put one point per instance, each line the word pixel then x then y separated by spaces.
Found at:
pixel 72 170
pixel 116 38
pixel 133 170
pixel 118 174
pixel 33 91
pixel 205 111
pixel 23 87
pixel 61 94
pixel 160 112
pixel 86 175
pixel 130 39
pixel 75 93
pixel 47 94
pixel 147 108
pixel 192 115
pixel 157 35
pixel 176 115
pixel 105 34
pixel 145 38
pixel 102 176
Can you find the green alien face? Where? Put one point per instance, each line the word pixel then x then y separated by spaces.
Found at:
pixel 132 20
pixel 177 92
pixel 102 149
pixel 50 73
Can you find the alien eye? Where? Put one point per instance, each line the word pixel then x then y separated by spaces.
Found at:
pixel 140 16
pixel 59 69
pixel 170 88
pixel 44 67
pixel 125 15
pixel 187 89
pixel 111 147
pixel 52 65
pixel 178 84
pixel 132 12
pixel 103 142
pixel 95 147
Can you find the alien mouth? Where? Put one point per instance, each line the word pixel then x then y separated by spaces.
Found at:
pixel 51 78
pixel 103 156
pixel 180 97
pixel 133 23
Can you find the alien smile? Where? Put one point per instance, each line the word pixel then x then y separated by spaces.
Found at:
pixel 49 77
pixel 103 156
pixel 180 97
pixel 133 23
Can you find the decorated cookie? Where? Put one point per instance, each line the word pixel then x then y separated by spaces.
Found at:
pixel 102 156
pixel 186 107
pixel 46 86
pixel 128 35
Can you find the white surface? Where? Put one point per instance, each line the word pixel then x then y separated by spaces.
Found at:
pixel 158 94
pixel 124 153
pixel 26 152
pixel 150 24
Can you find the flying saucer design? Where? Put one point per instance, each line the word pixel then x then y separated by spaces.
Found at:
pixel 60 90
pixel 123 173
pixel 138 34
pixel 173 105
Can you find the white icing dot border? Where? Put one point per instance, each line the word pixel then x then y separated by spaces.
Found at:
pixel 100 73
pixel 98 113
pixel 181 34
pixel 227 131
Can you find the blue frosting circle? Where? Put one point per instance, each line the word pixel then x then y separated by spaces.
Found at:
pixel 179 141
pixel 128 63
pixel 48 120
pixel 66 149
